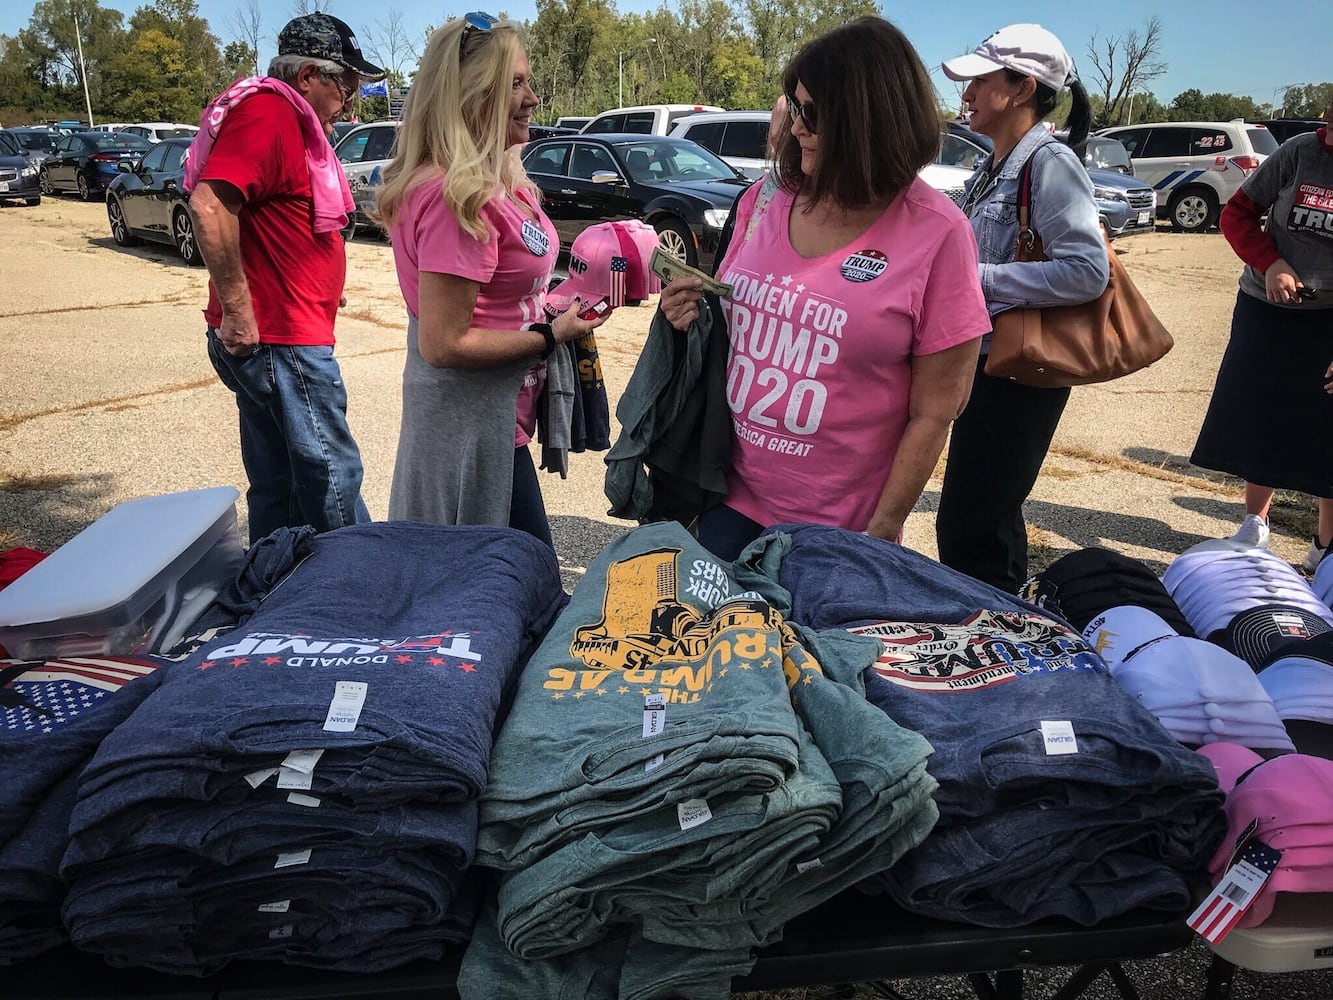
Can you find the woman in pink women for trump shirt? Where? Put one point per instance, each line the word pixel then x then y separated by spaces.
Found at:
pixel 856 312
pixel 474 254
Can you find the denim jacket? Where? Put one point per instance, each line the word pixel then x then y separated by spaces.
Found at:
pixel 1063 215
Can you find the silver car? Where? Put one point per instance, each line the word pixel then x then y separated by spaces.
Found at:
pixel 364 152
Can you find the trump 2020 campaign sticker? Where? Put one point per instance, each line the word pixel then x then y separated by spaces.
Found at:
pixel 864 265
pixel 535 239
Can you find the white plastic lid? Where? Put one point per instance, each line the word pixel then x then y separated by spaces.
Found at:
pixel 115 557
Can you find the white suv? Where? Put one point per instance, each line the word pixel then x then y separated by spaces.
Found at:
pixel 644 119
pixel 1195 167
pixel 364 152
pixel 738 137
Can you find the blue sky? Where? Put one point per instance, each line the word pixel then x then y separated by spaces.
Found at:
pixel 1237 46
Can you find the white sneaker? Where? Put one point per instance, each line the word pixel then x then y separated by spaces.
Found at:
pixel 1253 532
pixel 1313 555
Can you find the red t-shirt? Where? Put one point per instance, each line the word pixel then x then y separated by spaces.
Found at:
pixel 295 274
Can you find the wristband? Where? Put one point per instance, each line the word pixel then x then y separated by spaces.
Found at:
pixel 548 335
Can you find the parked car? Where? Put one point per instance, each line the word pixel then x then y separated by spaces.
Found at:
pixel 37 142
pixel 575 122
pixel 145 201
pixel 110 127
pixel 738 137
pixel 1195 167
pixel 546 131
pixel 363 152
pixel 18 174
pixel 643 119
pixel 86 162
pixel 676 186
pixel 1126 205
pixel 1283 129
pixel 157 131
pixel 340 129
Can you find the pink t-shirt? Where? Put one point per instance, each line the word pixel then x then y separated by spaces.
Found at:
pixel 514 268
pixel 819 370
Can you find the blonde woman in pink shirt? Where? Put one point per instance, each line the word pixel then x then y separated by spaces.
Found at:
pixel 474 253
pixel 856 311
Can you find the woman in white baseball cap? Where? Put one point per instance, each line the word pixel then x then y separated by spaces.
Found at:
pixel 1014 79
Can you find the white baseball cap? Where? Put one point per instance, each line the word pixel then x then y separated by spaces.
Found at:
pixel 1025 48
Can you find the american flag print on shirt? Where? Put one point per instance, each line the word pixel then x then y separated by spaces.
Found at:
pixel 40 696
pixel 619 270
pixel 1227 903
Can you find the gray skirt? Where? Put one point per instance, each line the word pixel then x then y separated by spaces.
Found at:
pixel 455 462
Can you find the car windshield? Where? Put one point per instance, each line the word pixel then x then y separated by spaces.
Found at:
pixel 654 161
pixel 119 140
pixel 36 140
pixel 1262 140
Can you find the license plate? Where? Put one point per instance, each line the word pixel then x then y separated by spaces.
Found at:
pixel 4 185
pixel 1144 218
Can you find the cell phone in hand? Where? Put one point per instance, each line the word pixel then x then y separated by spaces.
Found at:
pixel 1307 293
pixel 595 310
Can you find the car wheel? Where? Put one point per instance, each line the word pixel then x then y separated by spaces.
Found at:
pixel 120 232
pixel 85 189
pixel 182 229
pixel 677 239
pixel 1193 210
pixel 32 201
pixel 44 182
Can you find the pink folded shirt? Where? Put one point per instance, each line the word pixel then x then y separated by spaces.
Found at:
pixel 328 184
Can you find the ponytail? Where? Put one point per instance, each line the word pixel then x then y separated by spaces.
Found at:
pixel 1079 121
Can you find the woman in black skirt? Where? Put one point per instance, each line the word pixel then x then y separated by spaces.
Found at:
pixel 1271 410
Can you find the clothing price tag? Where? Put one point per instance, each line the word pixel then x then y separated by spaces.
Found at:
pixel 302 760
pixel 693 812
pixel 300 780
pixel 655 763
pixel 1059 738
pixel 280 906
pixel 654 714
pixel 345 709
pixel 309 801
pixel 1226 904
pixel 257 778
pixel 292 858
pixel 808 866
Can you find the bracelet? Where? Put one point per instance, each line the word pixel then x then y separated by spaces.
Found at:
pixel 548 335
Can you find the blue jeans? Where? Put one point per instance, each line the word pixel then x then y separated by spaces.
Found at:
pixel 303 466
pixel 724 532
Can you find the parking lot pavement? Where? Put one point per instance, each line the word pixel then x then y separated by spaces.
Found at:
pixel 106 394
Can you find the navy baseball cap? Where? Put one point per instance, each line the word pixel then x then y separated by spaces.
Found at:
pixel 323 36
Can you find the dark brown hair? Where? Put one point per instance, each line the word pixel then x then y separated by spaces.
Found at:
pixel 877 115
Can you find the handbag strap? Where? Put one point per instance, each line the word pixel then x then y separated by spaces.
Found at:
pixel 1027 239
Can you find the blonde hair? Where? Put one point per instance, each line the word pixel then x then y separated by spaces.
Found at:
pixel 456 124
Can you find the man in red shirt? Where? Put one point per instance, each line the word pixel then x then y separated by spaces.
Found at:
pixel 266 215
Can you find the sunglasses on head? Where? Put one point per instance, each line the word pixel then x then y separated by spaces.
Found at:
pixel 805 112
pixel 476 21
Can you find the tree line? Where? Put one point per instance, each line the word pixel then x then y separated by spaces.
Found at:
pixel 167 61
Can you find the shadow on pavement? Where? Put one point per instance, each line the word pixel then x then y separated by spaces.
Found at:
pixel 44 512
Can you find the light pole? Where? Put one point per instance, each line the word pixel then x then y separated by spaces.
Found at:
pixel 620 69
pixel 83 70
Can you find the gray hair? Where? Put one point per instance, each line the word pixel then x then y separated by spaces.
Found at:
pixel 287 67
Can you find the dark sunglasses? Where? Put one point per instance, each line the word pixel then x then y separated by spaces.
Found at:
pixel 476 21
pixel 805 112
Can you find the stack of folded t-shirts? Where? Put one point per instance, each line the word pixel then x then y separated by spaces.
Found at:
pixel 304 788
pixel 1216 580
pixel 684 770
pixel 53 715
pixel 1299 679
pixel 1059 794
pixel 1199 692
pixel 1285 803
pixel 1080 586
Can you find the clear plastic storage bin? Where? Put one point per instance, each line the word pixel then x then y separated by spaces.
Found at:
pixel 133 581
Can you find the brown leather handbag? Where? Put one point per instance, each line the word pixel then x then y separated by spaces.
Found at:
pixel 1057 346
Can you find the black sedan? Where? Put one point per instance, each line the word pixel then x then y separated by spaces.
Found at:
pixel 87 162
pixel 18 173
pixel 676 186
pixel 146 201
